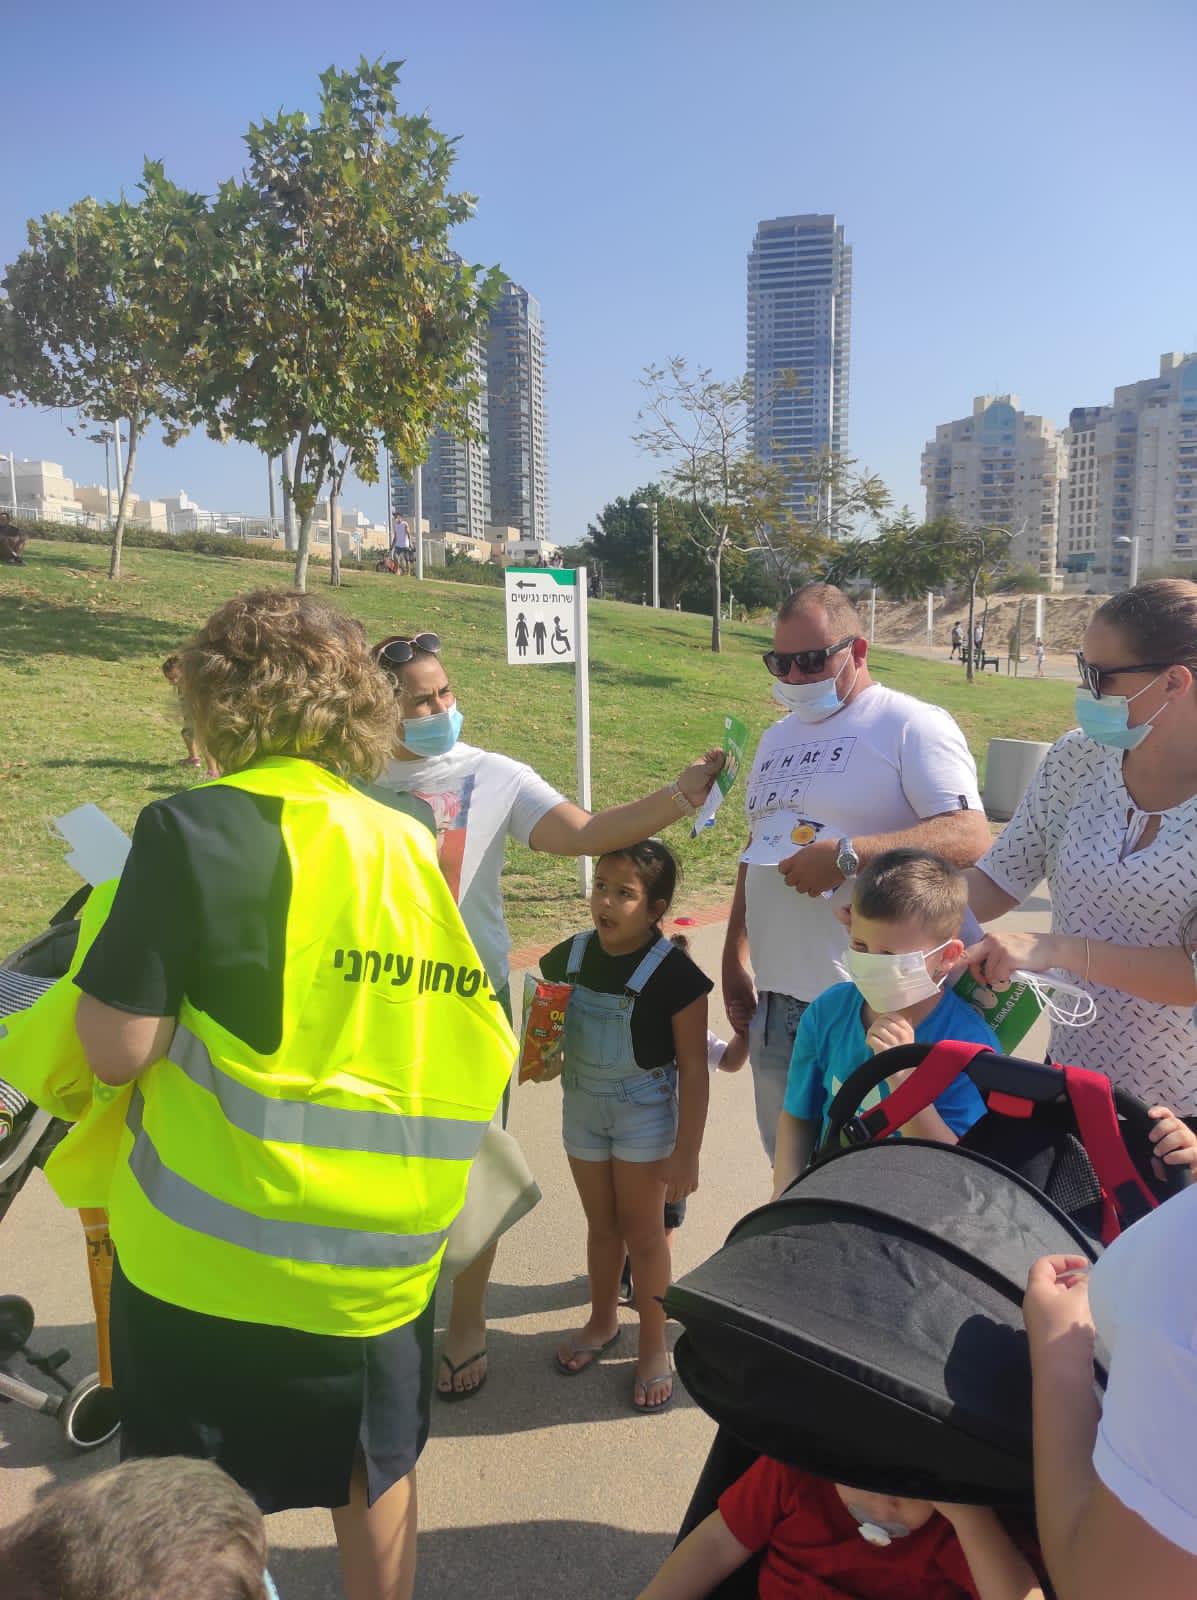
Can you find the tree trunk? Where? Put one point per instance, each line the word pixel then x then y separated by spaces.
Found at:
pixel 118 533
pixel 301 550
pixel 334 548
pixel 288 507
pixel 716 601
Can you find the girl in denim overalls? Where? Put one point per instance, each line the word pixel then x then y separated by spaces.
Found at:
pixel 632 1127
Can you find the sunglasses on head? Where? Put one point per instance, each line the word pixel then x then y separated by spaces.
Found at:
pixel 1091 676
pixel 400 651
pixel 781 662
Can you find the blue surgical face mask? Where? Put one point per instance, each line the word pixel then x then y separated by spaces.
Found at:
pixel 432 736
pixel 1108 720
pixel 814 702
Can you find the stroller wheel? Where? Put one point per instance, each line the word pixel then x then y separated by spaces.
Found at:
pixel 16 1324
pixel 90 1414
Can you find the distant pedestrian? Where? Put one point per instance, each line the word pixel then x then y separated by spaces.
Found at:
pixel 1040 653
pixel 401 543
pixel 957 642
pixel 978 637
pixel 12 541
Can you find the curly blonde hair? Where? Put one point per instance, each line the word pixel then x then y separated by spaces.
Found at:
pixel 276 673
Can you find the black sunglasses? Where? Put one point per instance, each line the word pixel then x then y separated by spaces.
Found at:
pixel 1091 676
pixel 780 662
pixel 400 651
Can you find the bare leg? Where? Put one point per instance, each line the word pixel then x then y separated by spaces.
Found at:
pixel 604 1258
pixel 466 1333
pixel 640 1207
pixel 377 1543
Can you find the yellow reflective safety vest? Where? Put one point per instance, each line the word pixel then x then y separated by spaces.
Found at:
pixel 313 1188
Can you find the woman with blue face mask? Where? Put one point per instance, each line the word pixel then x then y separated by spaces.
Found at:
pixel 1110 821
pixel 480 799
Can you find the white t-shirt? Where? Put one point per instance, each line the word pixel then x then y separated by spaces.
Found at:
pixel 1143 1293
pixel 884 763
pixel 478 799
pixel 1073 827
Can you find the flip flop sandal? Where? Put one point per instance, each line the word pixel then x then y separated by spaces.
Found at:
pixel 451 1395
pixel 643 1385
pixel 594 1351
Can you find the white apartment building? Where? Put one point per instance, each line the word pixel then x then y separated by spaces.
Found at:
pixel 1132 473
pixel 799 325
pixel 1000 467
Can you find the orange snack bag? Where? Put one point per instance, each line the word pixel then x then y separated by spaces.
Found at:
pixel 542 1044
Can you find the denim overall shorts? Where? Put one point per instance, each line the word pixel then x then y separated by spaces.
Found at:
pixel 612 1107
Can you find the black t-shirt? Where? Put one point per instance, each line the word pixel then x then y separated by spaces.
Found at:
pixel 201 910
pixel 675 984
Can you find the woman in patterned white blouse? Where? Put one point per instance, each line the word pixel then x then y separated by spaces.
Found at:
pixel 1110 821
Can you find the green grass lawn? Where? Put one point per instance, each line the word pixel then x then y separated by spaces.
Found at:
pixel 85 713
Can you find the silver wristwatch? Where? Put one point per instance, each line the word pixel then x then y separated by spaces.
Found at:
pixel 846 858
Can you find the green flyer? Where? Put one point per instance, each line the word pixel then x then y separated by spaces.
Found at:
pixel 1010 1012
pixel 735 741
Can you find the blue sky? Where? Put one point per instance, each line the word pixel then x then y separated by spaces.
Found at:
pixel 1017 182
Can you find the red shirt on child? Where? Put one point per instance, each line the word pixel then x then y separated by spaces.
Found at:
pixel 813 1549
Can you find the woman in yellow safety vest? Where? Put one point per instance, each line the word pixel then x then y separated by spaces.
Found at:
pixel 309 1052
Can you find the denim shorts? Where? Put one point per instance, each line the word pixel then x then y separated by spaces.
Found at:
pixel 630 1119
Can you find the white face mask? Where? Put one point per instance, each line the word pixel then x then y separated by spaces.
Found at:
pixel 814 702
pixel 1065 1003
pixel 891 983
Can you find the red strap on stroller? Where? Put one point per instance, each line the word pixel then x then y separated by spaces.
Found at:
pixel 1124 1196
pixel 938 1069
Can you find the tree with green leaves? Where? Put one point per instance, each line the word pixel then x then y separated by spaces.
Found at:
pixel 328 309
pixel 82 327
pixel 701 427
pixel 908 559
pixel 824 540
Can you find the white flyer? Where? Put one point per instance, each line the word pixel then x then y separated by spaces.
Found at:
pixel 778 835
pixel 98 846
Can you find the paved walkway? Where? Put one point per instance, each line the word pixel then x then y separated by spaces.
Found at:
pixel 539 1488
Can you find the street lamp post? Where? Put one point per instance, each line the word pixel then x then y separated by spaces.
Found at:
pixel 1128 542
pixel 12 479
pixel 651 506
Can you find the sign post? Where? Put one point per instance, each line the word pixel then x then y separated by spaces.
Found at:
pixel 547 624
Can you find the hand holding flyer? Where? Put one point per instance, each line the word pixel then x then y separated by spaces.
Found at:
pixel 735 740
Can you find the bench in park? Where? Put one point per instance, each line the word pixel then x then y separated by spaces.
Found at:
pixel 983 660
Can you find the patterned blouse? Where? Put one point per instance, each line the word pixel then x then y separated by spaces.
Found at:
pixel 1077 827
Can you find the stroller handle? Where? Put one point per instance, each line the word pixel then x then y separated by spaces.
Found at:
pixel 1037 1081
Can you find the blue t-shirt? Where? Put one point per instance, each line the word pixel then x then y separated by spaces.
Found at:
pixel 830 1046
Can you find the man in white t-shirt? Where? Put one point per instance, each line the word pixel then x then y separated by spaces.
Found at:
pixel 854 769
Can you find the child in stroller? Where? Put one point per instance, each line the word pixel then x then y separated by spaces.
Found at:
pixel 822 1538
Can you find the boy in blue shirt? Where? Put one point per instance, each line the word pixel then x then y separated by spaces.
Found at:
pixel 907 910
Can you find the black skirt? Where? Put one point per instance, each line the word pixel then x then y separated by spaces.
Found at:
pixel 284 1413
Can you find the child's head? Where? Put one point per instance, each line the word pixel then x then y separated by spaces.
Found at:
pixel 166 1529
pixel 884 1518
pixel 909 902
pixel 172 669
pixel 633 889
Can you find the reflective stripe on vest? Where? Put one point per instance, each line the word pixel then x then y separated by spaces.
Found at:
pixel 192 1207
pixel 323 1127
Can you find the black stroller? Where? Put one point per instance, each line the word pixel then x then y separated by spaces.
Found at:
pixel 867 1325
pixel 85 1410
